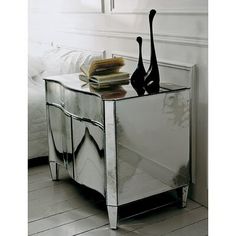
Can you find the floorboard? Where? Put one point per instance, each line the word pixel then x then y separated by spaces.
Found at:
pixel 174 223
pixel 67 208
pixel 196 229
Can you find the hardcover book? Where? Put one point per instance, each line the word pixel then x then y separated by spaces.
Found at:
pixel 105 81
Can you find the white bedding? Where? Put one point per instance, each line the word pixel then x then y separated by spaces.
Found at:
pixel 37 127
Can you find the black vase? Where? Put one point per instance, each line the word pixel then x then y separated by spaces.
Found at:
pixel 137 78
pixel 152 78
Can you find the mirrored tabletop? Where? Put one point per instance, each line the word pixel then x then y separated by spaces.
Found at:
pixel 72 82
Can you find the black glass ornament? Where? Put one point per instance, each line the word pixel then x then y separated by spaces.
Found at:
pixel 152 78
pixel 137 78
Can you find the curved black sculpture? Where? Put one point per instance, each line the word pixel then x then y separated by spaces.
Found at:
pixel 137 78
pixel 152 78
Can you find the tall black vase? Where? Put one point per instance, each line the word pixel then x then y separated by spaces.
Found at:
pixel 137 78
pixel 152 78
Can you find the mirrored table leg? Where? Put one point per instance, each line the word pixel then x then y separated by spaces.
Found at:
pixel 54 170
pixel 183 195
pixel 113 216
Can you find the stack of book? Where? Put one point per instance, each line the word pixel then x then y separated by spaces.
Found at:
pixel 104 73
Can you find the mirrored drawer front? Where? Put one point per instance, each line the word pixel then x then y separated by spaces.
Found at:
pixel 54 92
pixel 80 104
pixel 84 105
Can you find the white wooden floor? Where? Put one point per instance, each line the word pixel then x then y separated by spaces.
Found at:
pixel 64 208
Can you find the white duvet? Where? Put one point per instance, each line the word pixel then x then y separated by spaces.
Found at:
pixel 37 126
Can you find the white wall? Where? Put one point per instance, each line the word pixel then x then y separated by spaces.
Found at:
pixel 181 35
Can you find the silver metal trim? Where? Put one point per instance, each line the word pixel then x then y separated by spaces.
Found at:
pixel 72 146
pixel 111 162
pixel 47 115
pixel 67 113
pixel 54 170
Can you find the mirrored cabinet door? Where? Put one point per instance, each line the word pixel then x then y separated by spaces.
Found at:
pixel 56 135
pixel 88 142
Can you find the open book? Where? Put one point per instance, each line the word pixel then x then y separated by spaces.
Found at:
pixel 104 73
pixel 102 66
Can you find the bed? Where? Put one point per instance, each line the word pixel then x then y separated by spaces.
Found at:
pixel 46 60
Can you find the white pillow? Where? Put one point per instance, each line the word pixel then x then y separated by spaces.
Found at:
pixel 35 66
pixel 65 61
pixel 36 49
pixel 35 81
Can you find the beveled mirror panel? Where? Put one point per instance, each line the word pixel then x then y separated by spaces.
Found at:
pixel 150 155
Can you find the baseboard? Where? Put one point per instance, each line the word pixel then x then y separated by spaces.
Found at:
pixel 199 194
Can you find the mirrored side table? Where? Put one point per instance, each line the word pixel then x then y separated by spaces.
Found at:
pixel 124 146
